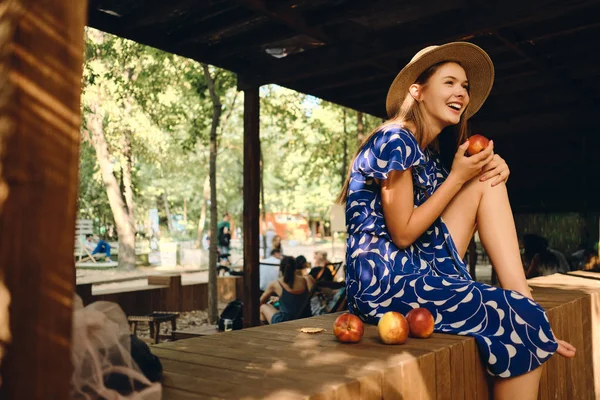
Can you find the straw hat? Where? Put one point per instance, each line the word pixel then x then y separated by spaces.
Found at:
pixel 475 61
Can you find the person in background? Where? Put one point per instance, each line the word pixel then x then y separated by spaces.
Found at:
pixel 97 247
pixel 320 269
pixel 302 264
pixel 224 235
pixel 585 258
pixel 320 259
pixel 540 259
pixel 276 244
pixel 269 269
pixel 206 241
pixel 293 291
pixel 269 235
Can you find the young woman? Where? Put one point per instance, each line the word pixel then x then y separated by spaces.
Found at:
pixel 410 221
pixel 293 291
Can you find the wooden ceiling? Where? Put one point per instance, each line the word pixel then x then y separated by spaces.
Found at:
pixel 541 111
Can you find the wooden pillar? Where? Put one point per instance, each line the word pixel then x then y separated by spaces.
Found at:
pixel 41 59
pixel 251 205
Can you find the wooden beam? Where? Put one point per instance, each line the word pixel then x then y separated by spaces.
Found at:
pixel 251 205
pixel 582 94
pixel 156 11
pixel 43 63
pixel 381 10
pixel 286 16
pixel 462 26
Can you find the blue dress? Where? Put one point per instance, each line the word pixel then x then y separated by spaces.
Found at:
pixel 512 332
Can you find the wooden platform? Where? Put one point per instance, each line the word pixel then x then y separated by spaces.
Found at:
pixel 162 292
pixel 280 362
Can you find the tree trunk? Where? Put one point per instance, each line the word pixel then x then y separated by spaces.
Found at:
pixel 122 218
pixel 185 213
pixel 212 260
pixel 202 220
pixel 127 175
pixel 360 128
pixel 167 211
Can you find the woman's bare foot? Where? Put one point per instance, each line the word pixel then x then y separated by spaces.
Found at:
pixel 565 349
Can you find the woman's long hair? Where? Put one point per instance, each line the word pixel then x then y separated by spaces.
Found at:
pixel 288 270
pixel 450 138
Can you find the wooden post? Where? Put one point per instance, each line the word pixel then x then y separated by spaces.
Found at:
pixel 41 55
pixel 251 209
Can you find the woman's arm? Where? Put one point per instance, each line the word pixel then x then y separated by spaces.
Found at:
pixel 405 222
pixel 267 293
pixel 310 281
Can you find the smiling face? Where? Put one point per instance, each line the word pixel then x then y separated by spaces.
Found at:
pixel 444 97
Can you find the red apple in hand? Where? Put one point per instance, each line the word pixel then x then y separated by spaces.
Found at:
pixel 348 328
pixel 476 144
pixel 420 322
pixel 393 328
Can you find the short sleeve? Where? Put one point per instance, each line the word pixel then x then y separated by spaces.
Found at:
pixel 392 148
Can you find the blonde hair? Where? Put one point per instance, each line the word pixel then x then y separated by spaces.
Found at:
pixel 410 112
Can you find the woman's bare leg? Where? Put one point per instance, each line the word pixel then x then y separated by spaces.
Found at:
pixel 266 313
pixel 522 387
pixel 479 204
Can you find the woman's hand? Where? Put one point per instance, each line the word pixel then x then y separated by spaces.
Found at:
pixel 497 168
pixel 466 168
pixel 565 349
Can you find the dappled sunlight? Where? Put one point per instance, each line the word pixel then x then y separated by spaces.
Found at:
pixel 279 361
pixel 333 357
pixel 47 26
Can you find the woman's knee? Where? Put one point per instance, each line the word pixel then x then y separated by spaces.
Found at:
pixel 479 188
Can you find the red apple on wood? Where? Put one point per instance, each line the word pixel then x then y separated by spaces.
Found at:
pixel 420 322
pixel 393 328
pixel 348 328
pixel 476 144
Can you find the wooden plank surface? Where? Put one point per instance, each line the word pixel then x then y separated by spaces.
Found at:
pixel 279 361
pixel 561 287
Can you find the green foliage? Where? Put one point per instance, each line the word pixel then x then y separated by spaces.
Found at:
pixel 161 102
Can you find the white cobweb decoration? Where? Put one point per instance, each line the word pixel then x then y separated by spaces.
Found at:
pixel 101 354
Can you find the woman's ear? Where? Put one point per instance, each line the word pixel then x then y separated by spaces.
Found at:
pixel 415 91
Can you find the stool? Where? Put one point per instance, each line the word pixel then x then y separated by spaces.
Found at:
pixel 154 320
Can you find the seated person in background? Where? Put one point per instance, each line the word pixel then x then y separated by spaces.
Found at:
pixel 302 265
pixel 320 259
pixel 321 274
pixel 293 290
pixel 323 303
pixel 541 260
pixel 584 258
pixel 320 270
pixel 268 272
pixel 97 247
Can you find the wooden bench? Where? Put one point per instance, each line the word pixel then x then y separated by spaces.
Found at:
pixel 280 362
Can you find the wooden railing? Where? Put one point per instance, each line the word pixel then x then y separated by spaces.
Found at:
pixel 164 293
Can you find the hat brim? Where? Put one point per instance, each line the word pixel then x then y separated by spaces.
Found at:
pixel 477 64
